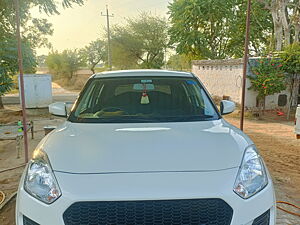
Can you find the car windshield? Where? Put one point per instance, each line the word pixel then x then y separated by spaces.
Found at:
pixel 143 99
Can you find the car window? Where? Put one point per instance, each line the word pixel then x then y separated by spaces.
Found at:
pixel 143 99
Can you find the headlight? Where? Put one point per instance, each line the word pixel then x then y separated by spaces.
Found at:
pixel 40 181
pixel 252 176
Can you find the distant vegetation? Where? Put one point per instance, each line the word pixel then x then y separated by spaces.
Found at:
pixel 141 43
pixel 65 64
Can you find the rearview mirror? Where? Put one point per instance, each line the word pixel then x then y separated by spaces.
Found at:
pixel 141 87
pixel 227 107
pixel 58 109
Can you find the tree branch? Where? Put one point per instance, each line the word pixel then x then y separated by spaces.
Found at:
pixel 265 3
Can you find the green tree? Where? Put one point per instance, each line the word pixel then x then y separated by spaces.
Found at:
pixel 54 63
pixel 34 34
pixel 179 62
pixel 9 52
pixel 6 83
pixel 9 62
pixel 64 64
pixel 94 53
pixel 142 41
pixel 71 62
pixel 291 64
pixel 268 79
pixel 214 29
pixel 122 58
pixel 41 60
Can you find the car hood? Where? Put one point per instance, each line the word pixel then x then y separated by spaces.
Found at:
pixel 145 147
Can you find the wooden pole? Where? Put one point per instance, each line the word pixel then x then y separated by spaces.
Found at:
pixel 246 57
pixel 107 15
pixel 20 61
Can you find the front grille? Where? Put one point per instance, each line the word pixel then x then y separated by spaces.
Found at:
pixel 158 212
pixel 263 219
pixel 27 221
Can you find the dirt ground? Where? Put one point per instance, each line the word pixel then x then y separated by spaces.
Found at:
pixel 9 115
pixel 275 140
pixel 281 151
pixel 9 181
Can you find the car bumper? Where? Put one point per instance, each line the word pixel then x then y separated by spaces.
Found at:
pixel 146 186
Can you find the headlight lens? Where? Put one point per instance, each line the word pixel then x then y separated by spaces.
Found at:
pixel 252 175
pixel 40 181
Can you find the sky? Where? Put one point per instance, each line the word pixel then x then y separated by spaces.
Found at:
pixel 76 27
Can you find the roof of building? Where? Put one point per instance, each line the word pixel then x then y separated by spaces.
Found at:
pixel 252 62
pixel 218 62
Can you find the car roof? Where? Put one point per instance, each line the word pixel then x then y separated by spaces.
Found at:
pixel 138 73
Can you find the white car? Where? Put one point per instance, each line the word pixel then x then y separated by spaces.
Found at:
pixel 145 147
pixel 297 122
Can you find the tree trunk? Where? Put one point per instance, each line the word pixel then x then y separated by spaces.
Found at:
pixel 296 21
pixel 264 105
pixel 283 14
pixel 295 90
pixel 92 68
pixel 293 94
pixel 1 103
pixel 260 107
pixel 278 38
pixel 282 20
pixel 278 28
pixel 289 107
pixel 297 32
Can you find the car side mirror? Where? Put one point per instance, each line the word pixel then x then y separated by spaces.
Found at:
pixel 58 109
pixel 227 107
pixel 69 106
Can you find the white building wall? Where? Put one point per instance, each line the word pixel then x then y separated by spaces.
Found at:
pixel 272 100
pixel 221 77
pixel 250 96
pixel 224 78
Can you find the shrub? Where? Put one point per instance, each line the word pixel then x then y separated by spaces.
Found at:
pixel 268 79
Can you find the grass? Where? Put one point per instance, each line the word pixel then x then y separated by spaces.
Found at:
pixel 71 85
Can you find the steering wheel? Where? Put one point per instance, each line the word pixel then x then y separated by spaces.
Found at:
pixel 109 110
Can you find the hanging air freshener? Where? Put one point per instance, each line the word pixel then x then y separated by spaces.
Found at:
pixel 145 97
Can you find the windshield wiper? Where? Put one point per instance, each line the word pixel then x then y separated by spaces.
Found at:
pixel 152 119
pixel 125 119
pixel 189 118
